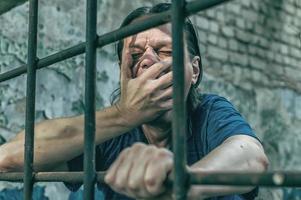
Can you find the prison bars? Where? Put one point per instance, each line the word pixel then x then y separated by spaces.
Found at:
pixel 182 177
pixel 179 108
pixel 90 82
pixel 272 179
pixel 155 20
pixel 30 99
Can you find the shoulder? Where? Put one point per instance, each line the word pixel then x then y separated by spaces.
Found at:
pixel 220 120
pixel 210 101
pixel 219 110
pixel 212 104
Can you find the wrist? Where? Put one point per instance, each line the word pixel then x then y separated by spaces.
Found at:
pixel 124 116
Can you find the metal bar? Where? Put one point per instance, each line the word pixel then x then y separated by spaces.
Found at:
pixel 30 99
pixel 90 83
pixel 70 177
pixel 47 61
pixel 155 20
pixel 274 179
pixel 271 179
pixel 179 107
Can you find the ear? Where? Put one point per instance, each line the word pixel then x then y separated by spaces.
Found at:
pixel 195 69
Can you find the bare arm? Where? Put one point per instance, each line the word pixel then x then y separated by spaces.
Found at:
pixel 140 171
pixel 60 140
pixel 237 153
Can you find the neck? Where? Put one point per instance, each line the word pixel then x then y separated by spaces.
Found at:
pixel 158 134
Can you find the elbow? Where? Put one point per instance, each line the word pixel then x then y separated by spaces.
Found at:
pixel 9 162
pixel 263 162
pixel 254 155
pixel 260 159
pixel 5 164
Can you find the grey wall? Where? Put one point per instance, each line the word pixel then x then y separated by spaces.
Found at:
pixel 251 55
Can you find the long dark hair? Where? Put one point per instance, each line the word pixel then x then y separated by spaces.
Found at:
pixel 191 38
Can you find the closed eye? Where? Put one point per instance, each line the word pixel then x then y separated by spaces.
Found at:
pixel 136 56
pixel 164 53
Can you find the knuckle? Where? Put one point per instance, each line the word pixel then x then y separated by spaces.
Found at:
pixel 150 181
pixel 138 146
pixel 139 80
pixel 125 152
pixel 119 184
pixel 149 87
pixel 163 153
pixel 153 188
pixel 108 179
pixel 133 185
pixel 150 148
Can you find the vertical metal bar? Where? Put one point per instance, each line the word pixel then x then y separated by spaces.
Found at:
pixel 90 82
pixel 30 99
pixel 179 107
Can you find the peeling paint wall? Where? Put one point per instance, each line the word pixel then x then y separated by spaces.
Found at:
pixel 251 55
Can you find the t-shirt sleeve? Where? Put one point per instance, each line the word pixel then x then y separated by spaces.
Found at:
pixel 225 121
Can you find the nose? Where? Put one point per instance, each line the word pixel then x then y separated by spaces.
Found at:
pixel 149 58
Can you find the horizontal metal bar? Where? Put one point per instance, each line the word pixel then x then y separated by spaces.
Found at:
pixel 71 177
pixel 272 178
pixel 155 20
pixel 47 61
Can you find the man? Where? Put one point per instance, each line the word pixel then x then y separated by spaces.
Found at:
pixel 133 135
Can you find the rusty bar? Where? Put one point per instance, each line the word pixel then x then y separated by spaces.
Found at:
pixel 179 127
pixel 90 88
pixel 30 100
pixel 152 21
pixel 271 178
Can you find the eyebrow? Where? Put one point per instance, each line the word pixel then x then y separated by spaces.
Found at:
pixel 159 44
pixel 133 46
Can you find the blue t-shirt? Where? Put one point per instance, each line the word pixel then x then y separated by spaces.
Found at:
pixel 214 120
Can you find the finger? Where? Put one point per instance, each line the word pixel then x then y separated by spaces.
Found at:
pixel 125 69
pixel 157 172
pixel 123 171
pixel 136 178
pixel 164 94
pixel 156 69
pixel 166 104
pixel 111 173
pixel 164 81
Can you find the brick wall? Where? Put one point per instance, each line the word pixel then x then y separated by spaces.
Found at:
pixel 251 53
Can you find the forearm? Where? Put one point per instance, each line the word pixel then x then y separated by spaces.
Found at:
pixel 54 141
pixel 238 153
pixel 59 140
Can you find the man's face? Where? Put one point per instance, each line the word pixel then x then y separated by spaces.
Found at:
pixel 155 45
